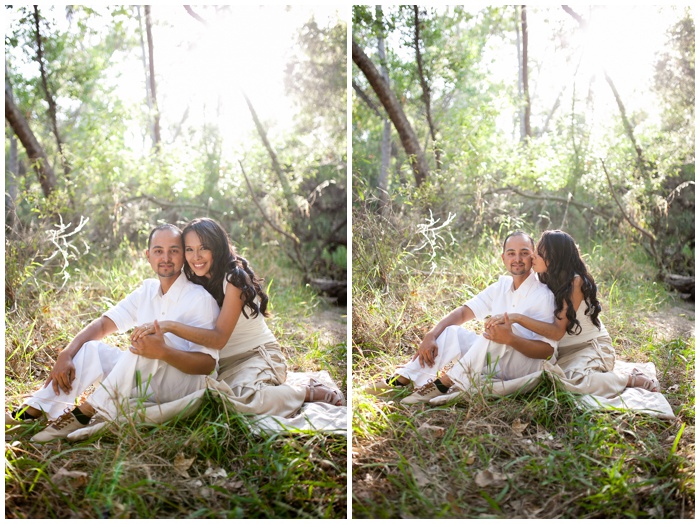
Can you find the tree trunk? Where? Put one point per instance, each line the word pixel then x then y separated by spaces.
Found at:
pixel 526 89
pixel 47 92
pixel 281 175
pixel 11 187
pixel 152 78
pixel 37 155
pixel 518 47
pixel 383 182
pixel 425 87
pixel 393 108
pixel 11 172
pixel 144 61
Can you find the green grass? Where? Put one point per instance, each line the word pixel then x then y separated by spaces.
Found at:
pixel 534 455
pixel 209 465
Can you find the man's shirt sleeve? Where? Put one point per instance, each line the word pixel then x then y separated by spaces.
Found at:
pixel 540 307
pixel 482 304
pixel 125 313
pixel 202 312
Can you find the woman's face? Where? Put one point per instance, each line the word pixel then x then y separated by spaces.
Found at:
pixel 539 265
pixel 198 256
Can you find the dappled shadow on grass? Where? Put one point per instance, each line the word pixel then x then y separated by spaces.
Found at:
pixel 209 465
pixel 534 456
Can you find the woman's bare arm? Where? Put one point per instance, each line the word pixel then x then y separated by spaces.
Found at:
pixel 215 338
pixel 554 330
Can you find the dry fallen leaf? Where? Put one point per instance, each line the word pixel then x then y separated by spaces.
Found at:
pixel 428 429
pixel 64 473
pixel 233 484
pixel 419 476
pixel 216 473
pixel 470 458
pixel 518 427
pixel 182 464
pixel 75 479
pixel 489 477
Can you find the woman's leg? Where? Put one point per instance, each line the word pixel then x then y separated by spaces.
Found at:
pixel 257 383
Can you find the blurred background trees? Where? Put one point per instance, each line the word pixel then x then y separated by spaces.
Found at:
pixel 131 116
pixel 536 118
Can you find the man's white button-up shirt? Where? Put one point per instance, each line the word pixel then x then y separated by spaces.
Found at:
pixel 532 298
pixel 184 302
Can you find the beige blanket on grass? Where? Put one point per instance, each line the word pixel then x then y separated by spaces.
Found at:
pixel 314 416
pixel 633 399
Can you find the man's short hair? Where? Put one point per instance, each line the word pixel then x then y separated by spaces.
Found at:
pixel 161 227
pixel 515 234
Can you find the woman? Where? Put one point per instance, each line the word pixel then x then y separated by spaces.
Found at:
pixel 251 361
pixel 585 351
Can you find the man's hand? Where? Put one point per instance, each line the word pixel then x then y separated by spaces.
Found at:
pixel 62 375
pixel 427 351
pixel 500 333
pixel 149 346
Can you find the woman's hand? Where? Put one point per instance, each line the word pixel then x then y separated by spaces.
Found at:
pixel 142 331
pixel 499 332
pixel 149 346
pixel 494 320
pixel 149 329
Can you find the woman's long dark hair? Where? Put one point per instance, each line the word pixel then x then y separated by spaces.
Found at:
pixel 564 262
pixel 226 264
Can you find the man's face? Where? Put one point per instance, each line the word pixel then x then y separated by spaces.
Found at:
pixel 165 253
pixel 518 255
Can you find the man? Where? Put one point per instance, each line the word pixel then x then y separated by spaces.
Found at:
pixel 159 368
pixel 512 350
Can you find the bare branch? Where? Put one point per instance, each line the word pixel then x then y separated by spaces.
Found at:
pixel 644 232
pixel 366 99
pixel 395 111
pixel 425 87
pixel 37 155
pixel 295 241
pixel 195 15
pixel 576 16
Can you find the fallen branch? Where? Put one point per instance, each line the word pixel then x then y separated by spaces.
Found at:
pixel 169 205
pixel 550 197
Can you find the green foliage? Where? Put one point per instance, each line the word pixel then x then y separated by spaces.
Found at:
pixel 555 179
pixel 124 188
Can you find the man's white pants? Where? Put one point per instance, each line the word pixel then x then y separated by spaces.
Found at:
pixel 114 373
pixel 475 355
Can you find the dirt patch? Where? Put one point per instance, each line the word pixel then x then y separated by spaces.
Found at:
pixel 677 321
pixel 332 325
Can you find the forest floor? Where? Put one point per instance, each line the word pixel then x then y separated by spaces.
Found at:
pixel 673 321
pixel 209 465
pixel 533 455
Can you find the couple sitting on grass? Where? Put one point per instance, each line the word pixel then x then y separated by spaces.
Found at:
pixel 547 305
pixel 187 324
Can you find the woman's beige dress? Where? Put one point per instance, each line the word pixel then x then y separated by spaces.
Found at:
pixel 253 365
pixel 588 359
